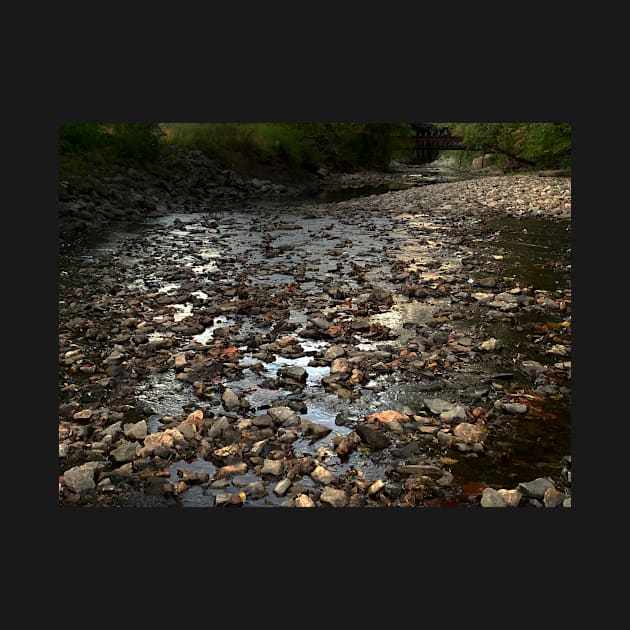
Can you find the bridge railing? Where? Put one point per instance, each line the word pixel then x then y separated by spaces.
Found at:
pixel 438 142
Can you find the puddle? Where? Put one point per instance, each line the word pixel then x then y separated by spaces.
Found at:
pixel 183 311
pixel 536 252
pixel 314 374
pixel 169 288
pixel 165 395
pixel 404 312
pixel 208 333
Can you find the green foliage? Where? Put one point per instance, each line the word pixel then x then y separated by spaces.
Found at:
pixel 549 144
pixel 222 142
pixel 542 145
pixel 296 145
pixel 109 146
pixel 364 145
pixel 292 143
pixel 137 142
pixel 80 136
pixel 300 145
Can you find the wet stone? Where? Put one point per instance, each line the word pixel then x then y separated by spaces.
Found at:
pixel 420 470
pixel 137 431
pixel 323 475
pixel 263 420
pixel 272 467
pixel 334 352
pixel 334 497
pixel 314 430
pixel 80 479
pixel 469 433
pixel 536 488
pixel 511 497
pixel 437 405
pixel 293 373
pixel 284 415
pixel 491 498
pixel 230 470
pixel 229 399
pixel 126 452
pixel 372 437
pixel 255 490
pixel 514 408
pixel 282 486
pixel 304 501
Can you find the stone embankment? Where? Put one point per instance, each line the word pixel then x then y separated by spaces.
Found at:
pixel 191 182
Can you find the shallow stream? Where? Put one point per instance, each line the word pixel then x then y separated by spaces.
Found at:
pixel 279 245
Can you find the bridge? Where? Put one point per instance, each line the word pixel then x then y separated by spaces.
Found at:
pixel 430 139
pixel 438 143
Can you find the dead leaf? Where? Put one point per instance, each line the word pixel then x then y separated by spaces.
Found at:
pixel 473 487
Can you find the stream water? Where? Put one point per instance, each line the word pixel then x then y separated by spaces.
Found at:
pixel 215 251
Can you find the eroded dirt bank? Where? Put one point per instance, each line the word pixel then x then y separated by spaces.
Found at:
pixel 403 349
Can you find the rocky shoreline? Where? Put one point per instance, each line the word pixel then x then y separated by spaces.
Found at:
pixel 211 322
pixel 90 202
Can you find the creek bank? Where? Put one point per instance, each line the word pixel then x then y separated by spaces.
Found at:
pixel 185 180
pixel 188 181
pixel 257 319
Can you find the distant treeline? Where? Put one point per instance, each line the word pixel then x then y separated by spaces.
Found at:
pixel 310 146
pixel 539 145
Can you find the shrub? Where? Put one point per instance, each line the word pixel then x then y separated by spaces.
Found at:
pixel 80 136
pixel 137 142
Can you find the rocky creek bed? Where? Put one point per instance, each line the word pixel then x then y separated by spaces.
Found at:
pixel 406 349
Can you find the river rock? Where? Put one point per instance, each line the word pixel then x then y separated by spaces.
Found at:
pixel 437 405
pixel 137 431
pixel 553 497
pixel 470 433
pixel 420 470
pixel 457 412
pixel 263 420
pixel 536 488
pixel 532 368
pixel 220 425
pixel 492 498
pixel 192 476
pixel 304 501
pixel 512 498
pixel 230 400
pixel 125 452
pixel 514 408
pixel 372 437
pixel 284 415
pixel 490 345
pixel 255 490
pixel 282 486
pixel 314 430
pixel 334 352
pixel 323 475
pixel 293 374
pixel 80 479
pixel 195 419
pixel 272 467
pixel 230 470
pixel 334 497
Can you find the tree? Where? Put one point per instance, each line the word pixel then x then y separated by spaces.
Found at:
pixel 536 144
pixel 137 142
